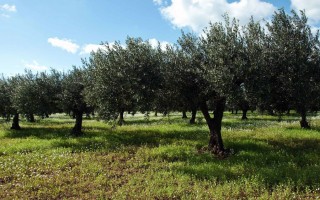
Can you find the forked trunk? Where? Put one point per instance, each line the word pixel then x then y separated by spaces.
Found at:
pixel 193 116
pixel 15 122
pixel 214 124
pixel 77 129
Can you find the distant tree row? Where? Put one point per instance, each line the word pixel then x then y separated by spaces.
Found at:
pixel 273 68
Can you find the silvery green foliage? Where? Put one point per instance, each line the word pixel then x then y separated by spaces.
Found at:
pixel 124 78
pixel 72 98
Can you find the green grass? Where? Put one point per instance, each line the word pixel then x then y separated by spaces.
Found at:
pixel 160 158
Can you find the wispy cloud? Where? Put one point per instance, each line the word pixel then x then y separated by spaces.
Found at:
pixel 8 8
pixel 34 65
pixel 64 44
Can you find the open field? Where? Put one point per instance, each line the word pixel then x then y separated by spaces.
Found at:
pixel 161 158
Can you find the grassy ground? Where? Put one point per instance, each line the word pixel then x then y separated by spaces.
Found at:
pixel 160 159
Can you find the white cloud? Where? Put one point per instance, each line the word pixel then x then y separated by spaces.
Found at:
pixel 154 43
pixel 196 14
pixel 8 8
pixel 88 48
pixel 35 66
pixel 312 8
pixel 64 44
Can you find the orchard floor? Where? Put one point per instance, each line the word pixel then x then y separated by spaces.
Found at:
pixel 160 158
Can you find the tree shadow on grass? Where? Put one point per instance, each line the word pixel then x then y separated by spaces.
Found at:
pixel 269 162
pixel 312 128
pixel 111 140
pixel 37 132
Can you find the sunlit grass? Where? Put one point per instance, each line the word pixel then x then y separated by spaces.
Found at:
pixel 160 158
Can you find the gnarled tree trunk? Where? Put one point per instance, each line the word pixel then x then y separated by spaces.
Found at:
pixel 15 122
pixel 214 124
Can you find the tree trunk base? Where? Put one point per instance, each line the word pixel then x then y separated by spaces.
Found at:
pixel 304 124
pixel 14 127
pixel 76 133
pixel 225 153
pixel 121 122
pixel 184 115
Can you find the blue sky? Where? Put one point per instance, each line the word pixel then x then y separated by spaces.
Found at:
pixel 41 34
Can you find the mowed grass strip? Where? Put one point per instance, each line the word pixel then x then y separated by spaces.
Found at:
pixel 160 158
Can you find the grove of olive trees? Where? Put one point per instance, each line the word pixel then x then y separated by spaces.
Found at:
pixel 274 69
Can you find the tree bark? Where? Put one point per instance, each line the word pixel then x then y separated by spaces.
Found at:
pixel 193 116
pixel 244 114
pixel 15 122
pixel 304 123
pixel 121 118
pixel 184 115
pixel 77 129
pixel 214 124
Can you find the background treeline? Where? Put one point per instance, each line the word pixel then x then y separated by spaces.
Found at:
pixel 273 68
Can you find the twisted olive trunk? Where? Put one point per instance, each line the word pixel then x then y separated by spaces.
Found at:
pixel 215 143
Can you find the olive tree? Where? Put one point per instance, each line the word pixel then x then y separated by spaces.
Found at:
pixel 72 97
pixel 125 78
pixel 293 57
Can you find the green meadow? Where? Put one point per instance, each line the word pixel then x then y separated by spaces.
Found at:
pixel 160 158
